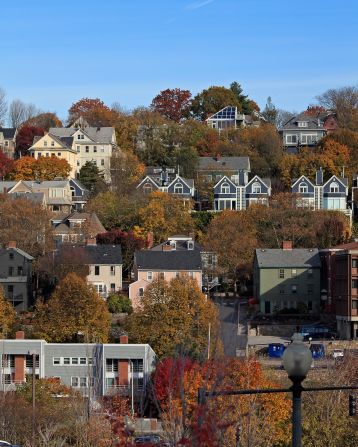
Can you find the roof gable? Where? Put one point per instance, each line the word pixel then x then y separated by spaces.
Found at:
pixel 302 178
pixel 226 180
pixel 148 178
pixel 337 179
pixel 178 179
pixel 258 179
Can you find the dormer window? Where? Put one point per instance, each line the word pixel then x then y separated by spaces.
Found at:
pixel 302 124
pixel 302 188
pixel 256 188
pixel 147 188
pixel 190 245
pixel 225 188
pixel 178 188
pixel 173 244
pixel 333 187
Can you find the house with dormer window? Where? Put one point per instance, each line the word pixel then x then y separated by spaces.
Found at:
pixel 166 180
pixel 329 195
pixel 230 195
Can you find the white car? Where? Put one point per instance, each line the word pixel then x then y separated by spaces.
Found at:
pixel 337 353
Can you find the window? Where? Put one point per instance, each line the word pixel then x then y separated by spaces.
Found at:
pixel 294 288
pixel 20 270
pixel 94 148
pixel 161 275
pixel 47 154
pixel 57 360
pixel 102 149
pixel 354 263
pixel 355 283
pixel 99 288
pixel 256 188
pixel 176 274
pixel 102 162
pixel 83 382
pixel 78 163
pixel 66 360
pixel 293 273
pixel 225 188
pixel 310 289
pixel 96 270
pixel 11 271
pixel 190 245
pixel 302 188
pixel 309 139
pixel 282 290
pixel 90 360
pixel 74 382
pixel 11 255
pixel 149 276
pixel 58 154
pixel 281 273
pixel 113 287
pixel 333 187
pixel 141 291
pixel 191 274
pixel 113 270
pixel 302 123
pixel 45 143
pixel 137 365
pixel 87 149
pixel 74 361
pixel 147 188
pixel 83 361
pixel 55 208
pixel 10 290
pixel 178 188
pixel 78 148
pixel 354 304
pixel 52 143
pixel 110 382
pixel 291 139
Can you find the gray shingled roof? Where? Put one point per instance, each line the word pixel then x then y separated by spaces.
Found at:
pixel 168 260
pixel 4 185
pixel 312 122
pixel 232 163
pixel 8 132
pixel 97 134
pixel 35 197
pixel 297 257
pixel 104 254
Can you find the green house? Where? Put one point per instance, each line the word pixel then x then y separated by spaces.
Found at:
pixel 287 279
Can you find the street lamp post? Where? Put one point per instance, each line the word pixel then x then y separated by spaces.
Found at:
pixel 297 360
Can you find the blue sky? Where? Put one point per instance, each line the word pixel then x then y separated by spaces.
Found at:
pixel 55 52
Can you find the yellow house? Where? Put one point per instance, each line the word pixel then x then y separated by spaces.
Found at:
pixel 50 145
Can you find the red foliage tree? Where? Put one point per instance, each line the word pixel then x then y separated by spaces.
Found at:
pixel 6 165
pixel 314 110
pixel 128 241
pixel 94 111
pixel 25 137
pixel 173 104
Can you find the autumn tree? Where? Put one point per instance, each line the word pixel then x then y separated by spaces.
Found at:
pixel 25 137
pixel 25 222
pixel 94 111
pixel 128 241
pixel 233 237
pixel 6 165
pixel 73 308
pixel 165 215
pixel 175 317
pixel 126 172
pixel 7 315
pixel 213 99
pixel 45 121
pixel 50 168
pixel 173 104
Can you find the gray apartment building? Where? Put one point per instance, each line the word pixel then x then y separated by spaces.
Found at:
pixel 94 369
pixel 16 276
pixel 287 278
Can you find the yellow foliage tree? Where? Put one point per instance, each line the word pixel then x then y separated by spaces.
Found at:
pixel 166 215
pixel 74 308
pixel 7 315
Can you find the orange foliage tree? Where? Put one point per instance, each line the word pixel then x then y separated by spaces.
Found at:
pixel 173 104
pixel 44 168
pixel 23 169
pixel 93 110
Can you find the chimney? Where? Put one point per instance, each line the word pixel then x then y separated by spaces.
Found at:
pixel 20 335
pixel 242 178
pixel 123 339
pixel 91 241
pixel 319 177
pixel 287 245
pixel 149 239
pixel 11 244
pixel 166 247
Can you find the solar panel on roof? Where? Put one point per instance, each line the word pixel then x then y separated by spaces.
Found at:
pixel 227 113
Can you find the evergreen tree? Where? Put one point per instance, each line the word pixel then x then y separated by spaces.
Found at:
pixel 91 177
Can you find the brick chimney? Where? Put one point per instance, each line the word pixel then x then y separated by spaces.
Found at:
pixel 91 241
pixel 11 244
pixel 20 335
pixel 123 339
pixel 149 239
pixel 287 245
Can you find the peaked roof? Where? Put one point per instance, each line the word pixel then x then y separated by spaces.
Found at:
pixel 96 134
pixel 222 163
pixel 297 257
pixel 168 260
pixel 19 251
pixel 226 113
pixel 313 122
pixel 8 132
pixel 102 254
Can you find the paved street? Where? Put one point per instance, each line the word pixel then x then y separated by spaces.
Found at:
pixel 234 336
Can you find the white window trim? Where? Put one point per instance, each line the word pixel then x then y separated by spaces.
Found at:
pixel 149 276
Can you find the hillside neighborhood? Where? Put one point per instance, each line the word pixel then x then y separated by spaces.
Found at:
pixel 148 253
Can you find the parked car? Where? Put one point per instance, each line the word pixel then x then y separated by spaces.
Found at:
pixel 7 444
pixel 317 350
pixel 337 353
pixel 148 440
pixel 276 350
